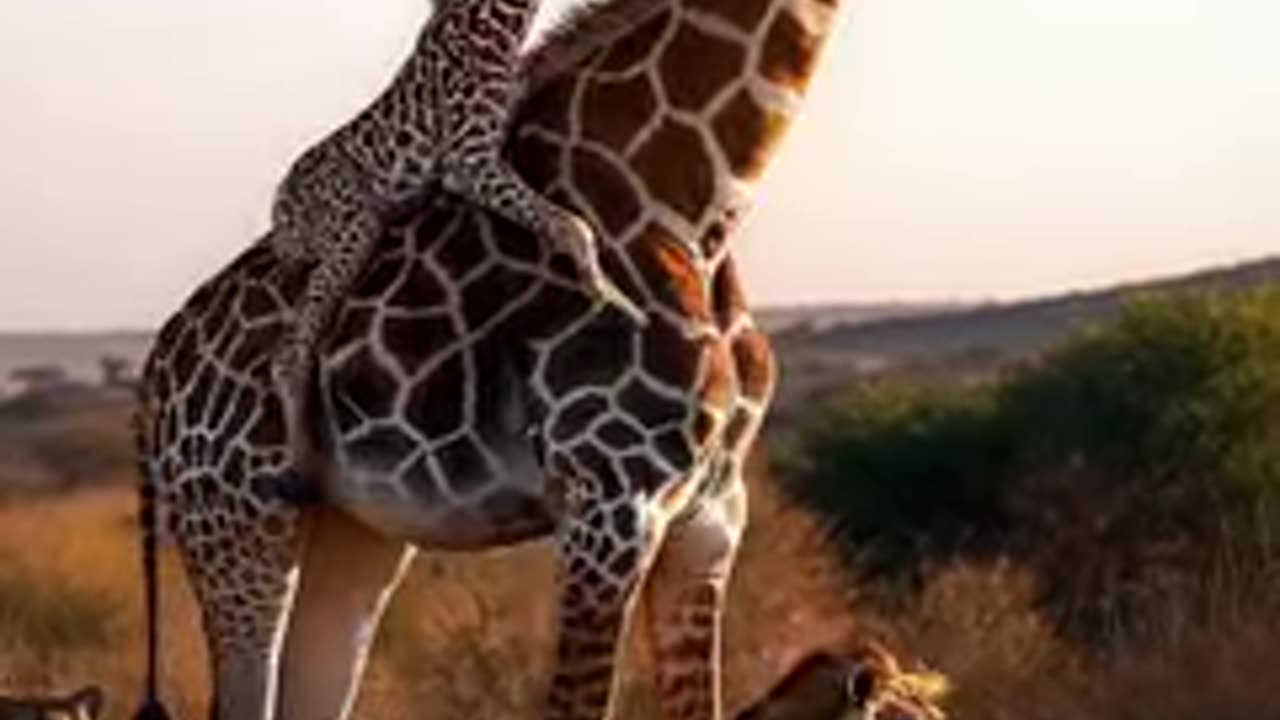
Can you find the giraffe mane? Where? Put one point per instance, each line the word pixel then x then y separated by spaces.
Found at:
pixel 586 28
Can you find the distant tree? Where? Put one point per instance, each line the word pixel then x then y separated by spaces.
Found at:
pixel 115 371
pixel 40 378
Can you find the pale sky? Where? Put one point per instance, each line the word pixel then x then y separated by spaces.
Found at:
pixel 950 149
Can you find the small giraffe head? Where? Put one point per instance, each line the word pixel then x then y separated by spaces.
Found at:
pixel 866 684
pixel 84 704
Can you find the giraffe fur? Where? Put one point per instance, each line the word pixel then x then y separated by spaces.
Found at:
pixel 469 395
pixel 441 123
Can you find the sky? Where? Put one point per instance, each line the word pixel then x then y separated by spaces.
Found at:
pixel 948 150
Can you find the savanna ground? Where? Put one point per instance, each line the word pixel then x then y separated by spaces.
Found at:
pixel 1088 533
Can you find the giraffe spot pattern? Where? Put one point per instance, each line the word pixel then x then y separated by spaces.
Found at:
pixel 789 52
pixel 436 404
pixel 633 49
pixel 606 189
pixel 686 187
pixel 719 63
pixel 615 111
pixel 747 134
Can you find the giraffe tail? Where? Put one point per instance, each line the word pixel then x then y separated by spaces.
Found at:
pixel 151 708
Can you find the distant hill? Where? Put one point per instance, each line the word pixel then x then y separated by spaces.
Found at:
pixel 839 337
pixel 1015 327
pixel 77 353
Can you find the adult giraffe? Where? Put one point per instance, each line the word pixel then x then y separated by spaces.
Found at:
pixel 470 396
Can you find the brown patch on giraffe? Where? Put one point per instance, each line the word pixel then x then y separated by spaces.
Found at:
pixel 754 360
pixel 419 288
pixel 463 465
pixel 728 294
pixel 550 106
pixel 352 326
pixel 198 397
pixel 576 417
pixel 718 62
pixel 705 425
pixel 257 301
pixel 371 284
pixel 744 14
pixel 670 357
pixel 537 159
pixel 674 447
pixel 615 111
pixel 434 219
pixel 269 427
pixel 461 252
pixel 789 52
pixel 635 47
pixel 669 269
pixel 186 355
pixel 412 341
pixel 381 449
pixel 738 429
pixel 596 355
pixel 218 316
pixel 365 384
pixel 718 378
pixel 606 189
pixel 422 482
pixel 485 297
pixel 648 408
pixel 747 134
pixel 677 168
pixel 436 403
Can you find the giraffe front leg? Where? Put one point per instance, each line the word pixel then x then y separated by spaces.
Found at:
pixel 491 183
pixel 604 547
pixel 684 600
pixel 348 574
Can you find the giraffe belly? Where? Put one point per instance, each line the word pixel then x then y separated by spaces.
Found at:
pixel 445 498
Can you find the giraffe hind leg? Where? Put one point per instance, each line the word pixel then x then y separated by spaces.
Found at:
pixel 241 555
pixel 684 599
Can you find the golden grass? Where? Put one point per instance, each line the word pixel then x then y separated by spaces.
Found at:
pixel 470 635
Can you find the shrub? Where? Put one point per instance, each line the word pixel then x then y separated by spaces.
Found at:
pixel 1140 456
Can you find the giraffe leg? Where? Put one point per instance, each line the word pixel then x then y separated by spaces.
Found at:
pixel 243 564
pixel 684 597
pixel 604 549
pixel 486 180
pixel 349 572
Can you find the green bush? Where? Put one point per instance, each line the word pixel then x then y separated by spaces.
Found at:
pixel 1141 454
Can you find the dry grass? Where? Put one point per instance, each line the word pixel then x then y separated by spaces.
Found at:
pixel 470 636
pixel 70 599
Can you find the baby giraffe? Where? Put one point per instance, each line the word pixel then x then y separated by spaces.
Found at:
pixel 443 119
pixel 866 684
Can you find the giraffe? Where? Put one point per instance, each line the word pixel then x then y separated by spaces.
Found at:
pixel 470 395
pixel 443 119
pixel 865 683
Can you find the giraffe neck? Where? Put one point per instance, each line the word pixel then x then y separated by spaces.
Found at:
pixel 684 100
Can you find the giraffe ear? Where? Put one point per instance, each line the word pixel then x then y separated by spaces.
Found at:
pixel 861 684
